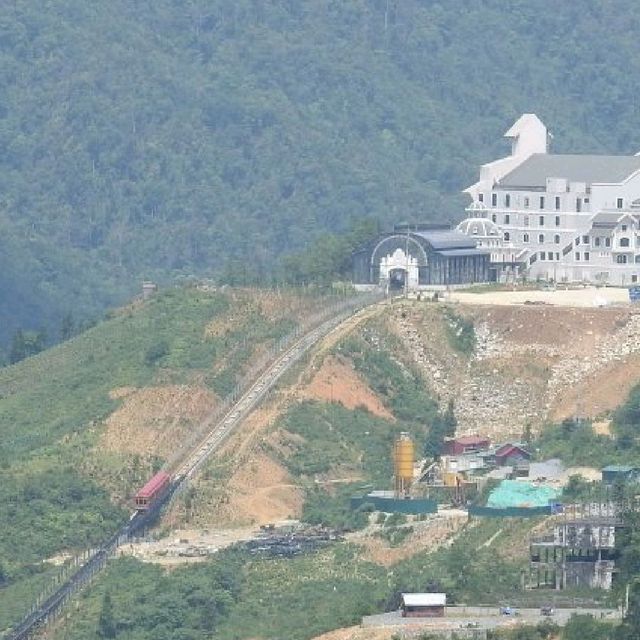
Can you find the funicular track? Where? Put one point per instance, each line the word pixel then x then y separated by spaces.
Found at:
pixel 216 428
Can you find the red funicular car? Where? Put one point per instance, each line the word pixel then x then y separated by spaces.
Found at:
pixel 152 490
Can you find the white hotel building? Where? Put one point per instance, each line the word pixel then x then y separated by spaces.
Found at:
pixel 555 217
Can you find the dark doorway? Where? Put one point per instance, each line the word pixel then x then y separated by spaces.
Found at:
pixel 397 279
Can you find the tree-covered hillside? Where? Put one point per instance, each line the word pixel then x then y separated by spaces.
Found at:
pixel 156 138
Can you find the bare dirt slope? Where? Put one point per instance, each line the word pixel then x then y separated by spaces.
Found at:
pixel 246 484
pixel 531 364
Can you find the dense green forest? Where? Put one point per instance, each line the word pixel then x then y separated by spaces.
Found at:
pixel 160 139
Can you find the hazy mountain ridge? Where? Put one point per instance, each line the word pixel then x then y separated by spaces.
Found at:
pixel 152 139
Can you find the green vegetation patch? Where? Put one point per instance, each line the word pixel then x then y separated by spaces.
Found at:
pixel 460 332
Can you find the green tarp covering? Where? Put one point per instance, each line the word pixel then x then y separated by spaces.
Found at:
pixel 514 493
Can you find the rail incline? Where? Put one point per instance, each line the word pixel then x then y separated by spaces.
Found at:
pixel 214 430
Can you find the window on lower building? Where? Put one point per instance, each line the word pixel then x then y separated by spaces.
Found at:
pixel 507 200
pixel 577 255
pixel 494 199
pixel 541 202
pixel 578 205
pixel 526 202
pixel 585 239
pixel 541 238
pixel 619 203
pixel 607 242
pixel 541 221
pixel 557 221
pixel 507 218
pixel 577 241
pixel 481 197
pixel 550 255
pixel 624 242
pixel 586 256
pixel 596 242
pixel 542 255
pixel 624 227
pixel 557 256
pixel 634 278
pixel 557 203
pixel 525 237
pixel 507 236
pixel 526 221
pixel 621 259
pixel 556 239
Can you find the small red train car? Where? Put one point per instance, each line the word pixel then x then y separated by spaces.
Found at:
pixel 154 488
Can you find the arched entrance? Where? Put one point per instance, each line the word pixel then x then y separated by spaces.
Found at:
pixel 396 265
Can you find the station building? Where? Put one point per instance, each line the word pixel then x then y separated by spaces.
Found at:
pixel 420 256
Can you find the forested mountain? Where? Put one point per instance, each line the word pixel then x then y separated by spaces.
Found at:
pixel 157 138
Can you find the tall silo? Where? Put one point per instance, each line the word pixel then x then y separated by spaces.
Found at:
pixel 403 459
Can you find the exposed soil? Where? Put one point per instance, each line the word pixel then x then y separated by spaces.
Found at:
pixel 152 420
pixel 357 633
pixel 337 381
pixel 599 394
pixel 427 535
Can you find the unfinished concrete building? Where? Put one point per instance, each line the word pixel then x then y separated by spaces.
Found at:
pixel 581 552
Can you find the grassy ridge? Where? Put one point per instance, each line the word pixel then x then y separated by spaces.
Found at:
pixel 53 479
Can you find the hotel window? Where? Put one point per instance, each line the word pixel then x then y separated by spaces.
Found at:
pixel 550 255
pixel 607 242
pixel 494 199
pixel 621 259
pixel 507 200
pixel 541 202
pixel 577 256
pixel 578 205
pixel 494 217
pixel 619 203
pixel 556 239
pixel 624 227
pixel 542 255
pixel 586 256
pixel 596 242
pixel 541 221
pixel 526 221
pixel 525 237
pixel 557 203
pixel 634 278
pixel 481 197
pixel 507 218
pixel 541 238
pixel 526 202
pixel 557 221
pixel 557 256
pixel 624 242
pixel 577 241
pixel 585 239
pixel 507 237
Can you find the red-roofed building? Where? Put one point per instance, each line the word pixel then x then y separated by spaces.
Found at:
pixel 466 444
pixel 510 454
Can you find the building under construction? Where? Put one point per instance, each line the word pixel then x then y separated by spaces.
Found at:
pixel 579 552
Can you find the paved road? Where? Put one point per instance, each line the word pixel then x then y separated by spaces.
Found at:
pixel 484 618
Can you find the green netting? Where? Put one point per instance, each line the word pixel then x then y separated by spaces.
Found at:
pixel 514 493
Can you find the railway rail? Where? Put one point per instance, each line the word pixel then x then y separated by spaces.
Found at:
pixel 242 402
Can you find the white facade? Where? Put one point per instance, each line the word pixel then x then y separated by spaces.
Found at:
pixel 565 218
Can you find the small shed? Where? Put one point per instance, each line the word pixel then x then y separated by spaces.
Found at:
pixel 511 454
pixel 423 605
pixel 618 473
pixel 466 444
